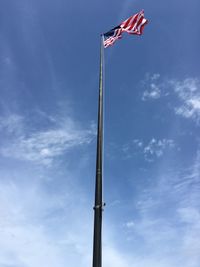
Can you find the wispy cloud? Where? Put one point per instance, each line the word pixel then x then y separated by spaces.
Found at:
pixel 45 228
pixel 12 124
pixel 42 228
pixel 42 146
pixel 151 150
pixel 157 147
pixel 154 90
pixel 168 218
pixel 130 224
pixel 186 91
pixel 40 225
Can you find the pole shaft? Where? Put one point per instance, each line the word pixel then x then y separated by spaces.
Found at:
pixel 97 239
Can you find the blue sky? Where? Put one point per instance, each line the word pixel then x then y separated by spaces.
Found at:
pixel 49 62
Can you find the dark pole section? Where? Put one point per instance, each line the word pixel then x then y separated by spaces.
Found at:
pixel 97 242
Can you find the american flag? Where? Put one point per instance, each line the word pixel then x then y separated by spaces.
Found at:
pixel 133 25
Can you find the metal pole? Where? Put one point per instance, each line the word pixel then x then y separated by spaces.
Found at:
pixel 98 207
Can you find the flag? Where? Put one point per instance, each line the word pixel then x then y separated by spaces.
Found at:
pixel 133 25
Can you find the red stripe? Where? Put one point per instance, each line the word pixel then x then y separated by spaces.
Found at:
pixel 128 21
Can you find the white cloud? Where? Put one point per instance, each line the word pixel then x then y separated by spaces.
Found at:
pixel 40 225
pixel 130 224
pixel 138 142
pixel 190 215
pixel 113 257
pixel 154 88
pixel 188 92
pixel 168 219
pixel 155 148
pixel 155 76
pixel 153 93
pixel 42 228
pixel 165 224
pixel 12 124
pixel 42 146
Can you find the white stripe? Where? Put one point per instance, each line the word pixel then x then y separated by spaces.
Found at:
pixel 142 23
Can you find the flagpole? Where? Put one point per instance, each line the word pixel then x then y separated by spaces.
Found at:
pixel 98 207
